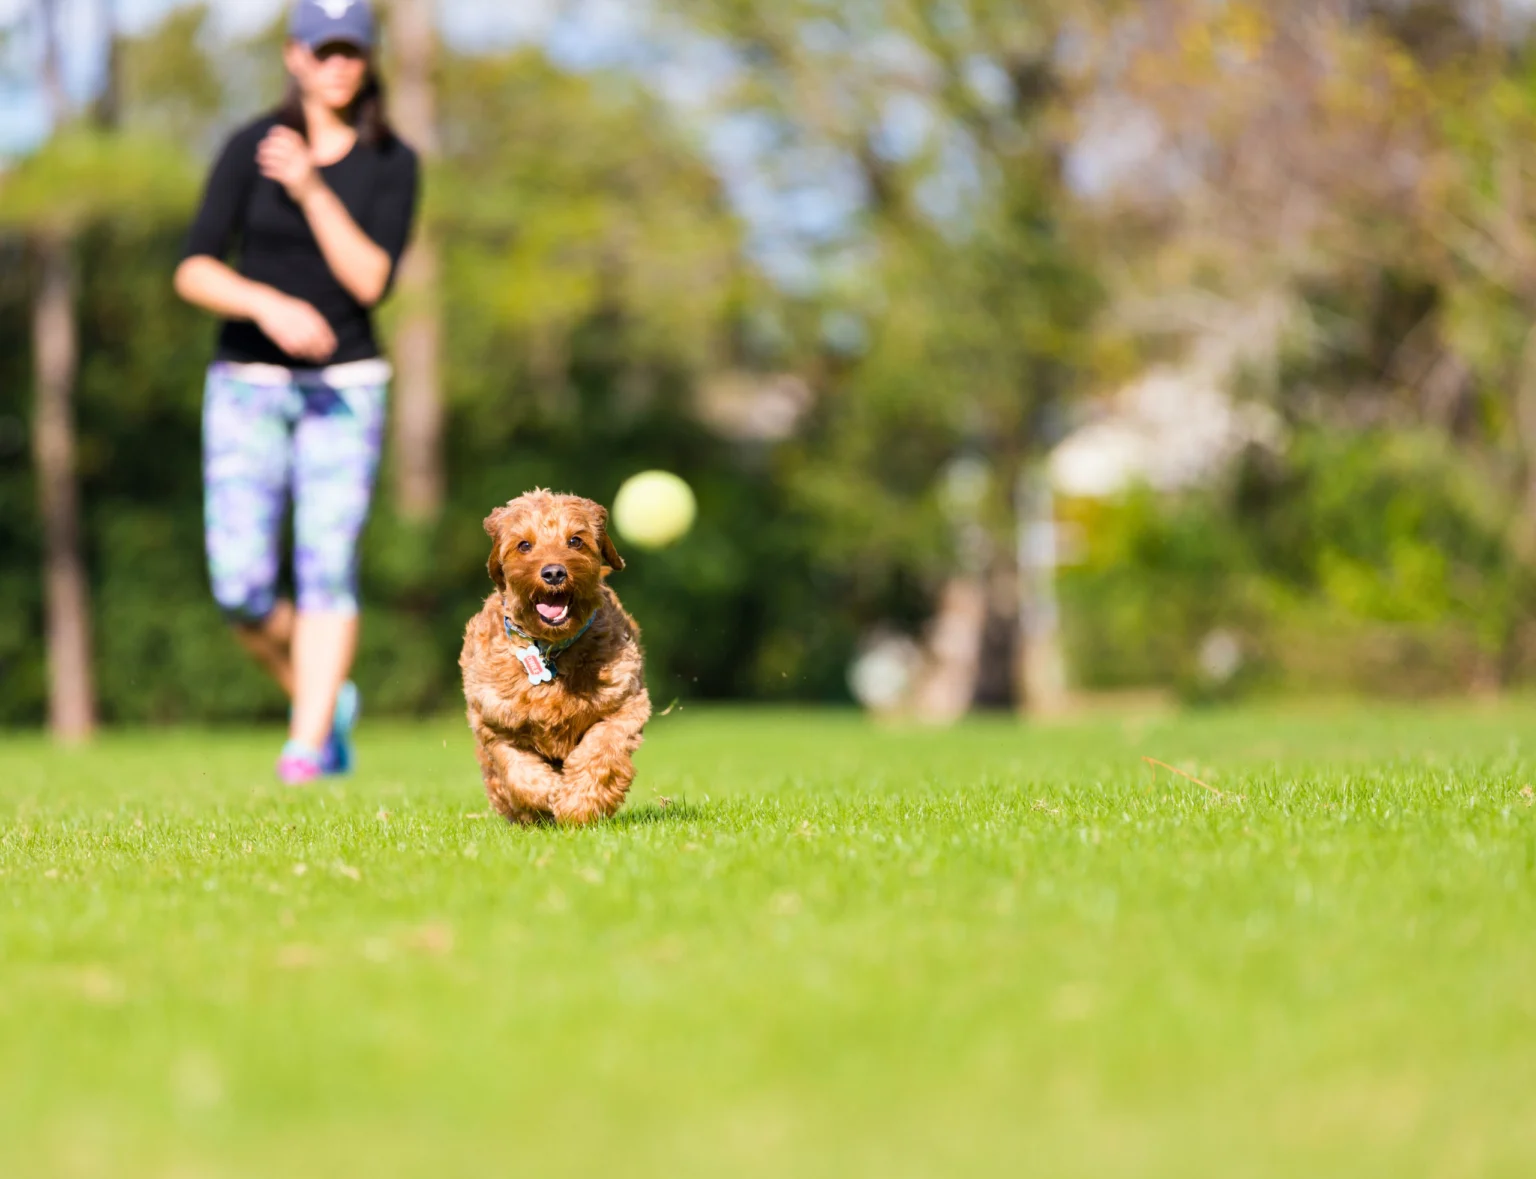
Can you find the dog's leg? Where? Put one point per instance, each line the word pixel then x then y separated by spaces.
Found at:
pixel 520 784
pixel 599 770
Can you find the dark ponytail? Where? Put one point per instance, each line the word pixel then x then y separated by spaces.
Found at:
pixel 368 114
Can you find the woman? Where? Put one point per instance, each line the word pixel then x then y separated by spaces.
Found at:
pixel 317 198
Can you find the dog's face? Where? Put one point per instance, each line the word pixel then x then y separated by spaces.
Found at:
pixel 548 557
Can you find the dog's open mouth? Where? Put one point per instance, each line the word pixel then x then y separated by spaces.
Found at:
pixel 554 611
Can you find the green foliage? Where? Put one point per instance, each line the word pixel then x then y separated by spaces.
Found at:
pixel 171 80
pixel 933 287
pixel 22 675
pixel 575 390
pixel 955 300
pixel 83 176
pixel 1350 543
pixel 1159 578
pixel 591 209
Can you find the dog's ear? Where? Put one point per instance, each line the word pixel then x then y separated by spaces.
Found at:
pixel 599 519
pixel 493 524
pixel 610 554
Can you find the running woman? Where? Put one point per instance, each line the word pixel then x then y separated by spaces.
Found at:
pixel 315 202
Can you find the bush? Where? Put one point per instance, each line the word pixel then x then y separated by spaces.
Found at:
pixel 1375 563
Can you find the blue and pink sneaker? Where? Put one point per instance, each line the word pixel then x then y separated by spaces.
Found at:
pixel 338 757
pixel 299 764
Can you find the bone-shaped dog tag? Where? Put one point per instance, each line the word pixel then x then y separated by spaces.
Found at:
pixel 539 671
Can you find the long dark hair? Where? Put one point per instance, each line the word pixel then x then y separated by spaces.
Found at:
pixel 368 114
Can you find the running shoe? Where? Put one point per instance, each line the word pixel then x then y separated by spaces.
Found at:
pixel 339 757
pixel 299 765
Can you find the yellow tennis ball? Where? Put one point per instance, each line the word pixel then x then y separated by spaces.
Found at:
pixel 653 509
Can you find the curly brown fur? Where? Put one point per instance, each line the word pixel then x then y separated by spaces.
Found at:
pixel 561 750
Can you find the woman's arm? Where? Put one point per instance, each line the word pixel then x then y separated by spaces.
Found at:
pixel 359 263
pixel 292 324
pixel 205 281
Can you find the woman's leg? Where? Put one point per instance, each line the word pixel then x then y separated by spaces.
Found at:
pixel 270 643
pixel 247 459
pixel 324 642
pixel 336 455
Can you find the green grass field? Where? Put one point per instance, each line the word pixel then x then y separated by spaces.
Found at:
pixel 832 950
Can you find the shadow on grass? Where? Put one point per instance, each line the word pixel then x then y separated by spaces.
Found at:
pixel 637 816
pixel 646 815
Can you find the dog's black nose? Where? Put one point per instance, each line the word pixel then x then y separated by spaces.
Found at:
pixel 553 574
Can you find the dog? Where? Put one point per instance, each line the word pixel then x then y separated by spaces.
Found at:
pixel 554 677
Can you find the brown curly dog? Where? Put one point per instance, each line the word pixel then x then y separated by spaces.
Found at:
pixel 553 674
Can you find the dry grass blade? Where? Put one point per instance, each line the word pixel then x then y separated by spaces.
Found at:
pixel 1221 794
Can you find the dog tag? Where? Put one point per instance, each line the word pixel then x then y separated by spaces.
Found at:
pixel 539 671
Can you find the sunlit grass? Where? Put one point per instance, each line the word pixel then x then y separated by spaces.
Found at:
pixel 808 947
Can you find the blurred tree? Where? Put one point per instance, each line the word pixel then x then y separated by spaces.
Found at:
pixel 169 82
pixel 951 300
pixel 55 353
pixel 963 215
pixel 419 478
pixel 1482 224
pixel 107 108
pixel 1367 163
pixel 594 215
pixel 84 173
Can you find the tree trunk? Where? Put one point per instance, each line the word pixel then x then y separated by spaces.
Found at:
pixel 55 351
pixel 107 110
pixel 1041 664
pixel 1525 430
pixel 53 70
pixel 419 483
pixel 952 653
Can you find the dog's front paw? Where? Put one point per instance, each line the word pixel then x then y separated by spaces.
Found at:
pixel 588 797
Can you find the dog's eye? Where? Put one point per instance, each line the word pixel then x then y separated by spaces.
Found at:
pixel 525 546
pixel 575 542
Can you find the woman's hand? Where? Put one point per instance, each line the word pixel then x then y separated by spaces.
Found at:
pixel 295 327
pixel 292 324
pixel 284 156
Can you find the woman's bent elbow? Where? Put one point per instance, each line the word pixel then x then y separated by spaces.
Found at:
pixel 184 281
pixel 369 292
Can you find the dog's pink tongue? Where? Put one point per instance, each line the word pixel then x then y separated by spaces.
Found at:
pixel 550 612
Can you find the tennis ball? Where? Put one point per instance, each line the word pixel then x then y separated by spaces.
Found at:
pixel 653 509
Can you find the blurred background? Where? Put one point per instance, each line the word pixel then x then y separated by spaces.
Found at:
pixel 1018 354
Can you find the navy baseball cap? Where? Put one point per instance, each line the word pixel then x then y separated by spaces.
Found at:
pixel 321 22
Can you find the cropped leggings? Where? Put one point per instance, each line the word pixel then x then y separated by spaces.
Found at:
pixel 293 437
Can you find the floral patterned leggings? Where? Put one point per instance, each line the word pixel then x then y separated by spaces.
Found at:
pixel 278 435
